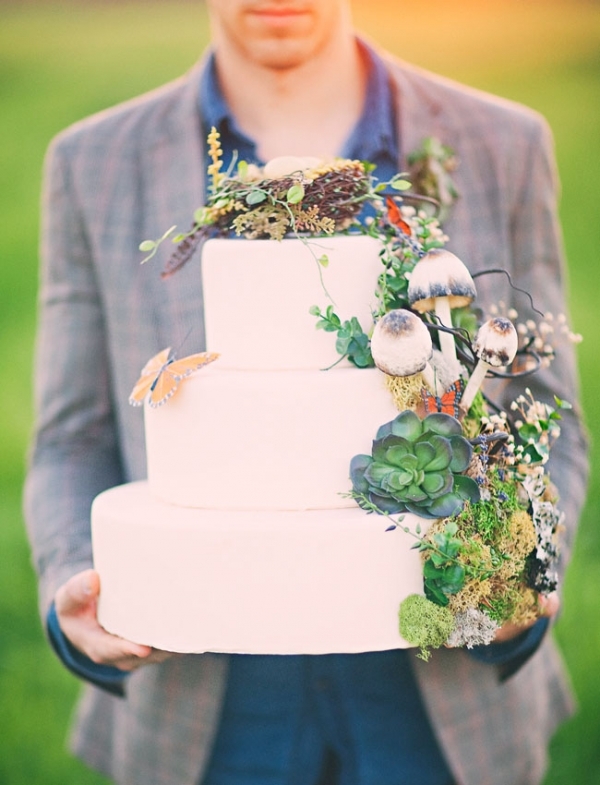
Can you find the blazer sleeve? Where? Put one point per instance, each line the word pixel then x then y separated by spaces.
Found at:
pixel 75 453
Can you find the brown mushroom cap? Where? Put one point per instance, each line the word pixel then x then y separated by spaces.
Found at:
pixel 440 274
pixel 497 342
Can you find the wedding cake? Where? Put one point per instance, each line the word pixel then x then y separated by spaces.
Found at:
pixel 242 539
pixel 268 452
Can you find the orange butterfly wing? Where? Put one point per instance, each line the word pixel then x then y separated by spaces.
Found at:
pixel 187 365
pixel 164 388
pixel 150 372
pixel 395 216
pixel 446 403
pixel 168 380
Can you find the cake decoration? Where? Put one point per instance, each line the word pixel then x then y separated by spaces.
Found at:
pixel 455 476
pixel 161 375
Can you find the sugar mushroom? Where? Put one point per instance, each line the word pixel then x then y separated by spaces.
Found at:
pixel 401 346
pixel 285 165
pixel 440 282
pixel 496 345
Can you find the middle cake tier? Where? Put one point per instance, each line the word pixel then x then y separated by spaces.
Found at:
pixel 270 440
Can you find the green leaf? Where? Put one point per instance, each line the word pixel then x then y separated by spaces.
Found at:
pixel 382 445
pixel 400 456
pixel 466 488
pixel 201 216
pixel 314 310
pixel 430 568
pixel 451 528
pixel 295 194
pixel 453 578
pixel 415 494
pixel 255 197
pixel 358 466
pixel 425 453
pixel 323 260
pixel 528 432
pixel 376 473
pixel 396 481
pixel 332 316
pixel 562 404
pixel 435 594
pixel 442 424
pixel 408 425
pixel 461 454
pixel 433 483
pixel 361 357
pixel 242 169
pixel 446 506
pixel 400 185
pixel 443 453
pixel 342 344
pixel 147 245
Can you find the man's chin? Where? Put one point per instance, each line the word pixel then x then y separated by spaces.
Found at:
pixel 281 55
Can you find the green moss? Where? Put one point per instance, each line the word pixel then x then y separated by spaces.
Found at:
pixel 424 624
pixel 490 519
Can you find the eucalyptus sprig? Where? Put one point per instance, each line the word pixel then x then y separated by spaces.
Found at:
pixel 352 341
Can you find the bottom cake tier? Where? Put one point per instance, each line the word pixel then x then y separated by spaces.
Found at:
pixel 256 582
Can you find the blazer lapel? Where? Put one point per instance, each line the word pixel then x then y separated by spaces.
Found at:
pixel 173 187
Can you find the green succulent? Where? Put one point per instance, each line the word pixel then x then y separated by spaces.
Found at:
pixel 416 466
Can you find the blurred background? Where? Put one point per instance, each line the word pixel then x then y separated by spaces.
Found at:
pixel 62 61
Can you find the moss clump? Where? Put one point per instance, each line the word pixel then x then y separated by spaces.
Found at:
pixel 424 624
pixel 471 596
pixel 405 390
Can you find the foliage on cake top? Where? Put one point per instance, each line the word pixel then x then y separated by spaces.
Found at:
pixel 289 195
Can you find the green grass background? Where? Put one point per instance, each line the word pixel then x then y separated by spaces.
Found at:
pixel 59 62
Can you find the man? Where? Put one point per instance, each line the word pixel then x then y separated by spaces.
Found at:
pixel 286 77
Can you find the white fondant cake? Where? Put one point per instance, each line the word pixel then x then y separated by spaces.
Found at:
pixel 242 541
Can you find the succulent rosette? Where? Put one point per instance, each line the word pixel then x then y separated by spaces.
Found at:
pixel 417 466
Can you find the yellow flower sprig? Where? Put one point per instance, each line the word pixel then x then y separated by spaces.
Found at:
pixel 215 152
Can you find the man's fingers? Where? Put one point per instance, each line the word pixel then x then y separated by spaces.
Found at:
pixel 549 605
pixel 106 649
pixel 77 593
pixel 76 610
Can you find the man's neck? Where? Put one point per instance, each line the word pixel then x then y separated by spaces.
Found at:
pixel 306 110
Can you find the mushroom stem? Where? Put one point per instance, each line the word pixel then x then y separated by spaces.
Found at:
pixel 474 383
pixel 431 380
pixel 443 313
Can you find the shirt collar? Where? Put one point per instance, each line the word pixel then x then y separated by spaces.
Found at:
pixel 374 135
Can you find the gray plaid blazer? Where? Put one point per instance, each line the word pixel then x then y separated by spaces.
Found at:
pixel 125 175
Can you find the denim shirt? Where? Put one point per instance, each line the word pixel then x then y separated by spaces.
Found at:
pixel 374 138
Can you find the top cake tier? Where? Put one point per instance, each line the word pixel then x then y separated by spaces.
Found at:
pixel 268 287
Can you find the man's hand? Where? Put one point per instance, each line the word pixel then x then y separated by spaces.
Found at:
pixel 548 607
pixel 76 603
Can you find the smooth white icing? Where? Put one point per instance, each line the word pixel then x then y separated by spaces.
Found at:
pixel 250 582
pixel 255 550
pixel 270 440
pixel 257 295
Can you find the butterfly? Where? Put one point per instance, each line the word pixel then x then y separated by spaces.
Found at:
pixel 395 216
pixel 446 403
pixel 161 375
